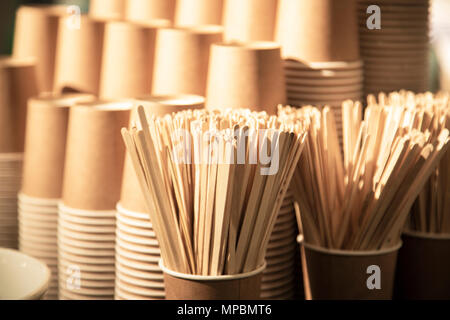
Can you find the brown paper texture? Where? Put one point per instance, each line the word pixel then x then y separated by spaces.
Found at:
pixel 94 155
pixel 45 144
pixel 320 30
pixel 182 58
pixel 423 267
pixel 17 84
pixel 131 197
pixel 252 20
pixel 128 56
pixel 107 9
pixel 35 36
pixel 198 12
pixel 340 276
pixel 79 55
pixel 144 10
pixel 246 76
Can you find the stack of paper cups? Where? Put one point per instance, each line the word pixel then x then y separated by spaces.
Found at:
pixel 35 36
pixel 91 189
pixel 198 12
pixel 107 9
pixel 279 277
pixel 320 47
pixel 144 10
pixel 251 20
pixel 246 76
pixel 128 56
pixel 17 84
pixel 79 55
pixel 45 146
pixel 138 275
pixel 182 59
pixel 396 56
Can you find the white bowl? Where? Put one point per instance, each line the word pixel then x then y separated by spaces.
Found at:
pixel 22 277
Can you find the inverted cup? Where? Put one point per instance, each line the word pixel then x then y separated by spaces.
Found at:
pixel 181 286
pixel 107 9
pixel 128 58
pixel 79 55
pixel 35 36
pixel 182 58
pixel 94 155
pixel 45 144
pixel 246 75
pixel 18 82
pixel 322 30
pixel 198 12
pixel 348 278
pixel 252 20
pixel 423 264
pixel 144 10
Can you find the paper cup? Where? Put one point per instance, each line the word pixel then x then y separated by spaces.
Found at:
pixel 107 9
pixel 144 10
pixel 348 278
pixel 35 36
pixel 128 58
pixel 322 30
pixel 95 154
pixel 181 286
pixel 45 144
pixel 423 265
pixel 182 58
pixel 17 83
pixel 252 20
pixel 198 12
pixel 131 197
pixel 246 76
pixel 79 55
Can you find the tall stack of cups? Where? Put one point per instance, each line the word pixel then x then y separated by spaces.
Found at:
pixel 138 275
pixel 394 40
pixel 17 84
pixel 319 41
pixel 45 147
pixel 87 217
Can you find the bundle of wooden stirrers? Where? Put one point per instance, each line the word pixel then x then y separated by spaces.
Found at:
pixel 214 182
pixel 431 210
pixel 361 201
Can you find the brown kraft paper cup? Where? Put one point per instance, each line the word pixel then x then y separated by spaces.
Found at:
pixel 128 56
pixel 79 56
pixel 180 286
pixel 182 58
pixel 17 84
pixel 94 155
pixel 35 36
pixel 107 9
pixel 131 197
pixel 198 12
pixel 252 20
pixel 143 10
pixel 343 275
pixel 45 144
pixel 319 30
pixel 246 76
pixel 423 270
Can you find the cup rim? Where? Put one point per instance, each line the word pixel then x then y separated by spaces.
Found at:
pixel 211 278
pixel 43 287
pixel 426 235
pixel 353 253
